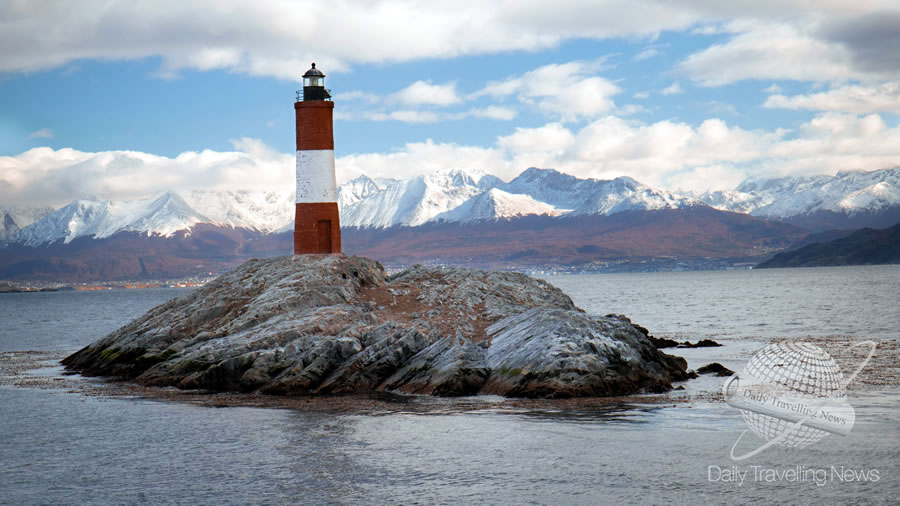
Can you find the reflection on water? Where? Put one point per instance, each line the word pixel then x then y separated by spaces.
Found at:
pixel 613 414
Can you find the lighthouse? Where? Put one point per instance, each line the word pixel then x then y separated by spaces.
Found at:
pixel 317 227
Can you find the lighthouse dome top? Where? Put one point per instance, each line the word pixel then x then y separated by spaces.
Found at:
pixel 314 85
pixel 314 72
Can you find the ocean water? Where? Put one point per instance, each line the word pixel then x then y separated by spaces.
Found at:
pixel 58 446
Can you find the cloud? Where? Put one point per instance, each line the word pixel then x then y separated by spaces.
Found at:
pixel 774 88
pixel 56 177
pixel 362 96
pixel 41 133
pixel 630 109
pixel 417 158
pixel 871 38
pixel 280 39
pixel 641 95
pixel 768 50
pixel 567 91
pixel 547 144
pixel 850 98
pixel 836 141
pixel 425 93
pixel 419 116
pixel 674 89
pixel 407 116
pixel 493 112
pixel 646 54
pixel 665 154
pixel 713 155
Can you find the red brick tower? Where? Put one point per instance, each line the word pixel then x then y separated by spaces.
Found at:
pixel 317 227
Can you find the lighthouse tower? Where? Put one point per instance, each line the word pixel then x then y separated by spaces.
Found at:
pixel 317 227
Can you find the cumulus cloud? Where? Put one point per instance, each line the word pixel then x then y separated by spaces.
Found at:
pixel 546 145
pixel 566 91
pixel 416 158
pixel 857 99
pixel 768 50
pixel 425 93
pixel 56 177
pixel 666 154
pixel 835 141
pixel 586 94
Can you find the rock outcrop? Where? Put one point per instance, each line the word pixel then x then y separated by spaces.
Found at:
pixel 333 324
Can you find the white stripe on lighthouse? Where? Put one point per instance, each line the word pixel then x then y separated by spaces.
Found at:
pixel 315 176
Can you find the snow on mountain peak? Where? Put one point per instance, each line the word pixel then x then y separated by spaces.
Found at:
pixel 498 204
pixel 454 195
pixel 848 191
pixel 417 200
pixel 15 218
pixel 163 214
pixel 871 198
pixel 355 190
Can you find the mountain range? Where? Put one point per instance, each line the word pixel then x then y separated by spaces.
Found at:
pixel 469 200
pixel 849 199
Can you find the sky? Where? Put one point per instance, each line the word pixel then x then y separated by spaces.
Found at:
pixel 125 99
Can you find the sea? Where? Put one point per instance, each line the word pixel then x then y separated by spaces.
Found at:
pixel 64 445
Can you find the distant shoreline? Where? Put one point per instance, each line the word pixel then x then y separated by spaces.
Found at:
pixel 94 287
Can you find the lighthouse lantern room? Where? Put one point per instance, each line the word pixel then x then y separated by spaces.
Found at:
pixel 317 226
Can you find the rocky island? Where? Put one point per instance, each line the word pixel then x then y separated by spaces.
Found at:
pixel 333 324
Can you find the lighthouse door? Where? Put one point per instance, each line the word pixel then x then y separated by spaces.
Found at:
pixel 323 233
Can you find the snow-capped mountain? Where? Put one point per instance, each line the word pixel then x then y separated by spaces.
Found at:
pixel 355 190
pixel 15 218
pixel 730 200
pixel 456 195
pixel 417 200
pixel 847 192
pixel 163 215
pixel 497 204
pixel 446 195
pixel 592 196
pixel 467 196
pixel 261 211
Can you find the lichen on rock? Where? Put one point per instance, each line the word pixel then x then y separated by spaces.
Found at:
pixel 330 324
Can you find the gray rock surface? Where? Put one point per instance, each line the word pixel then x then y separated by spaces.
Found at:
pixel 330 324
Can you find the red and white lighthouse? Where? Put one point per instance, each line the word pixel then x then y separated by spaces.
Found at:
pixel 317 227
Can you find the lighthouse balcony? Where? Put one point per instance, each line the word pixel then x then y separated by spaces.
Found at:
pixel 313 93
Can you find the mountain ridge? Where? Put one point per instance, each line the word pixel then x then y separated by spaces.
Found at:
pixel 866 246
pixel 849 199
pixel 582 242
